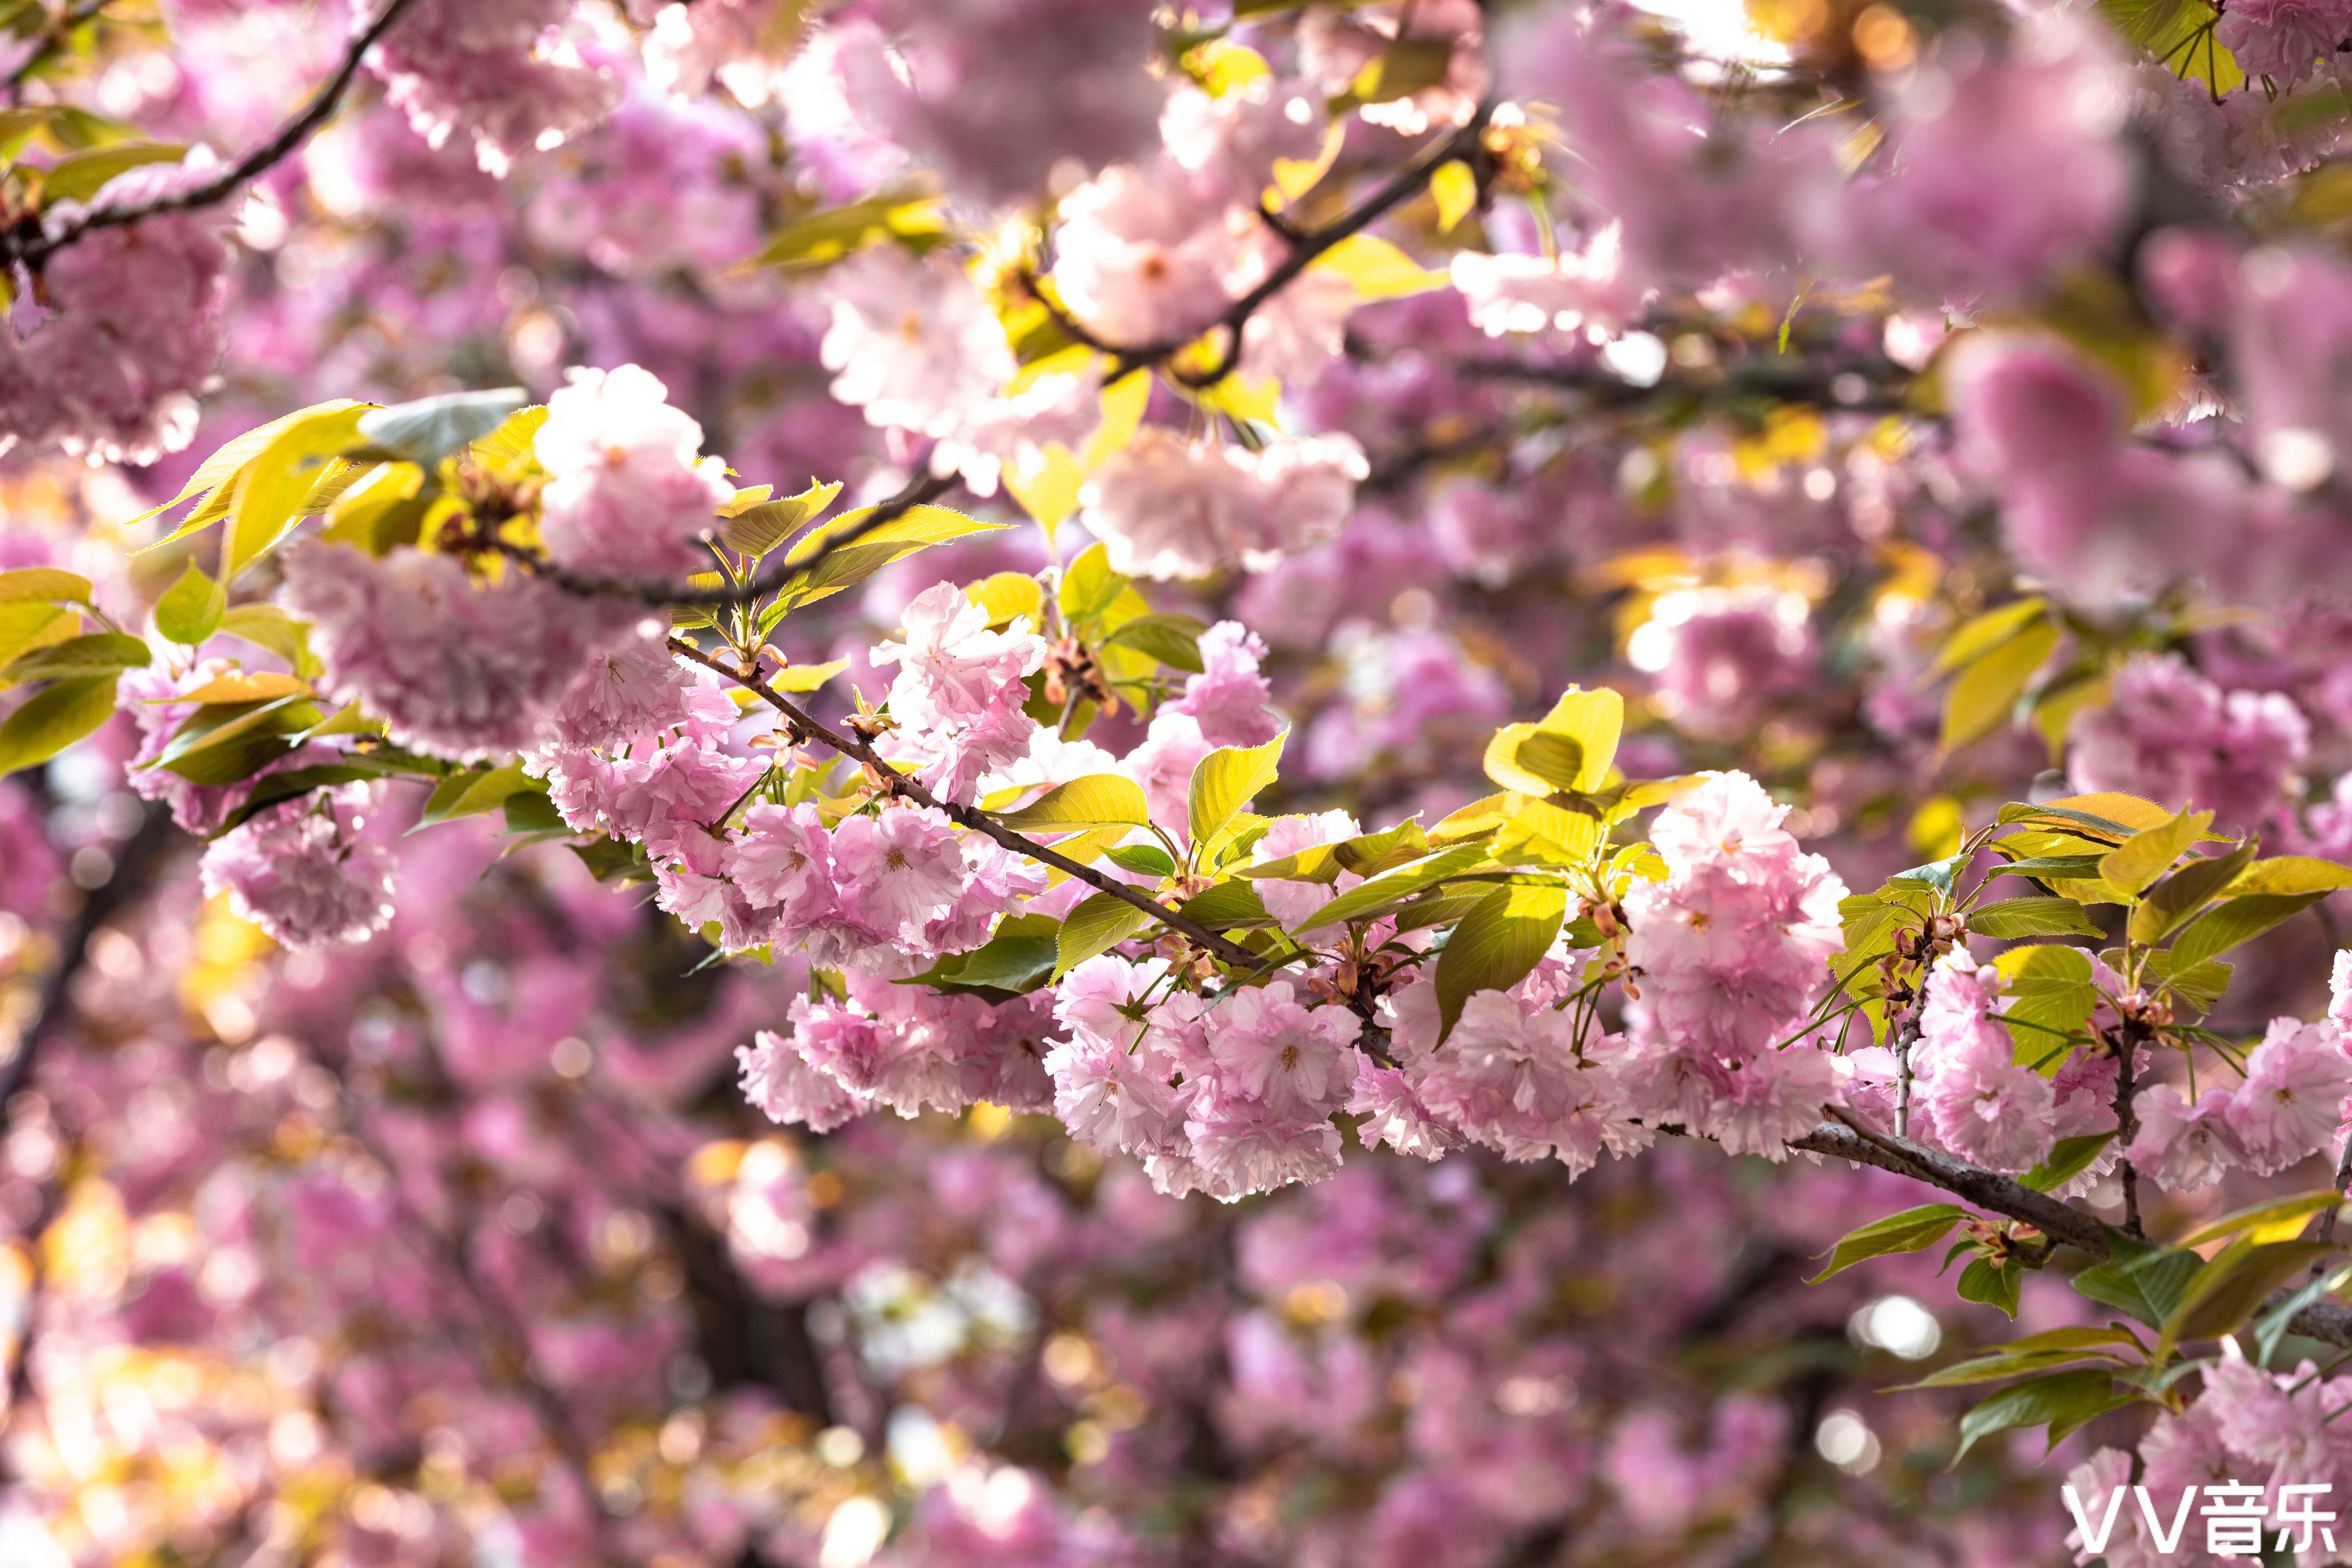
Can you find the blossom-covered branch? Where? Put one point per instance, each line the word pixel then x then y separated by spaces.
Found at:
pixel 31 245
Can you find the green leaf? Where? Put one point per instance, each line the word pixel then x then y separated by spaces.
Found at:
pixel 1375 896
pixel 1095 926
pixel 610 860
pixel 53 719
pixel 2147 855
pixel 2228 1289
pixel 270 490
pixel 2033 1352
pixel 471 793
pixel 227 742
pixel 1987 691
pixel 2065 867
pixel 2272 1326
pixel 267 626
pixel 875 548
pixel 1370 854
pixel 1226 780
pixel 504 448
pixel 806 677
pixel 1936 874
pixel 1015 961
pixel 81 175
pixel 191 609
pixel 1594 720
pixel 1143 859
pixel 2060 1396
pixel 2287 875
pixel 28 623
pixel 1912 1230
pixel 1008 596
pixel 2144 1280
pixel 1173 640
pixel 1406 67
pixel 42 584
pixel 2240 920
pixel 106 654
pixel 759 529
pixel 1532 760
pixel 1989 1287
pixel 1099 800
pixel 1497 945
pixel 2261 1218
pixel 1981 635
pixel 2008 917
pixel 430 429
pixel 2068 1158
pixel 821 238
pixel 1089 586
pixel 1226 906
pixel 1571 748
pixel 2181 33
pixel 2182 894
pixel 213 476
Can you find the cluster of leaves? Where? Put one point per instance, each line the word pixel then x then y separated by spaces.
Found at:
pixel 2065 1378
pixel 2167 897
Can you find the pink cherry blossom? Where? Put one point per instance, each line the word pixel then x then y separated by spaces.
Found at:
pixel 628 491
pixel 306 871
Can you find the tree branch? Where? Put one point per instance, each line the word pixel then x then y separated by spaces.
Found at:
pixel 862 751
pixel 1847 1137
pixel 53 41
pixel 920 491
pixel 33 247
pixel 1305 250
pixel 136 858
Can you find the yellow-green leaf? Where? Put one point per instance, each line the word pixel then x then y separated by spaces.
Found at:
pixel 1099 800
pixel 1455 188
pixel 806 677
pixel 270 489
pixel 1378 270
pixel 1226 780
pixel 42 584
pixel 53 719
pixel 1986 692
pixel 1497 943
pixel 190 610
pixel 2147 855
pixel 1095 926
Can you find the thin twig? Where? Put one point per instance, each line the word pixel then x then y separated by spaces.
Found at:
pixel 899 783
pixel 32 246
pixel 1304 250
pixel 53 42
pixel 1466 142
pixel 920 491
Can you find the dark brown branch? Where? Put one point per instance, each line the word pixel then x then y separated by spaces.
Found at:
pixel 498 1319
pixel 1849 1138
pixel 33 247
pixel 900 784
pixel 2127 1129
pixel 135 861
